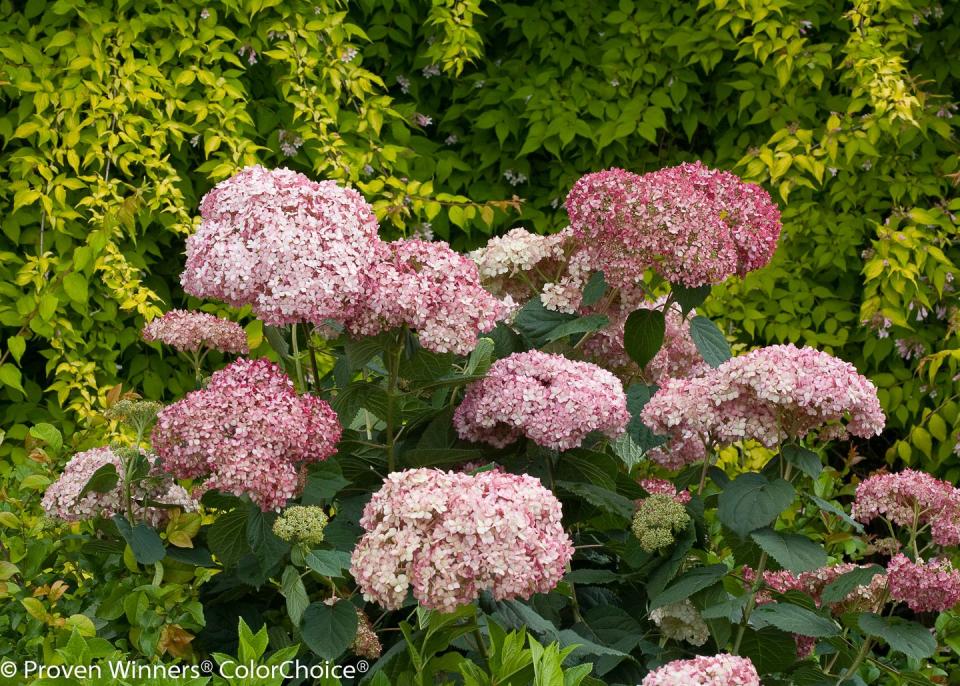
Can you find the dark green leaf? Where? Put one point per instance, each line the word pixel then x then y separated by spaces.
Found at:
pixel 276 337
pixel 845 584
pixel 803 459
pixel 687 584
pixel 643 335
pixel 605 499
pixel 145 543
pixel 329 563
pixel 594 290
pixel 324 481
pixel 101 481
pixel 709 341
pixel 910 638
pixel 770 649
pixel 591 576
pixel 791 551
pixel 328 630
pixel 750 502
pixel 227 537
pixel 796 620
pixel 535 322
pixel 837 510
pixel 587 324
pixel 688 298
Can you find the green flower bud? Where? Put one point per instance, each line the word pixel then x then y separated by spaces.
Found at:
pixel 658 518
pixel 301 524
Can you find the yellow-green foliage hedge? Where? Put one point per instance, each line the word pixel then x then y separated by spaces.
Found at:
pixel 463 118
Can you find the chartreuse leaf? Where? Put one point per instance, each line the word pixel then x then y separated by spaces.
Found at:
pixel 751 502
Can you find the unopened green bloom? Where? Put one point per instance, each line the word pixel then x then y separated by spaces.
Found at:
pixel 137 414
pixel 658 518
pixel 301 524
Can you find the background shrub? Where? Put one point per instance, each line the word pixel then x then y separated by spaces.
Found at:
pixel 463 119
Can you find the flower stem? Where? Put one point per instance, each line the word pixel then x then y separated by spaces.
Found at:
pixel 752 603
pixel 296 358
pixel 852 669
pixel 393 371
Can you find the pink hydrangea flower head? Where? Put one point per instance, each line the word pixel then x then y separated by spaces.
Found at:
pixel 552 400
pixel 664 487
pixel 247 432
pixel 451 535
pixel 293 249
pixel 61 497
pixel 769 394
pixel 932 586
pixel 706 670
pixel 692 224
pixel 520 263
pixel 910 494
pixel 189 331
pixel 431 289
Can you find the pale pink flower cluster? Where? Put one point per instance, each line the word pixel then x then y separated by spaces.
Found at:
pixel 769 394
pixel 692 224
pixel 247 432
pixel 432 289
pixel 520 263
pixel 932 586
pixel 662 486
pixel 909 494
pixel 450 536
pixel 293 249
pixel 189 331
pixel 705 670
pixel 552 400
pixel 62 500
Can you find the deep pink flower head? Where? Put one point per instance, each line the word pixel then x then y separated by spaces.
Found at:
pixel 553 401
pixel 664 487
pixel 431 289
pixel 294 249
pixel 247 432
pixel 452 535
pixel 932 586
pixel 769 395
pixel 61 497
pixel 189 331
pixel 692 224
pixel 902 496
pixel 706 670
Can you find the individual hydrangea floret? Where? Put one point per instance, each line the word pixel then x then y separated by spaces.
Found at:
pixel 191 331
pixel 449 536
pixel 552 400
pixel 657 520
pixel 932 586
pixel 681 622
pixel 293 249
pixel 705 670
pixel 431 289
pixel 62 500
pixel 301 524
pixel 692 224
pixel 770 395
pixel 909 495
pixel 247 432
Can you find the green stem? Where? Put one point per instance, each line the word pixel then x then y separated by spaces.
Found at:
pixel 296 358
pixel 707 461
pixel 861 654
pixel 751 604
pixel 393 367
pixel 481 646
